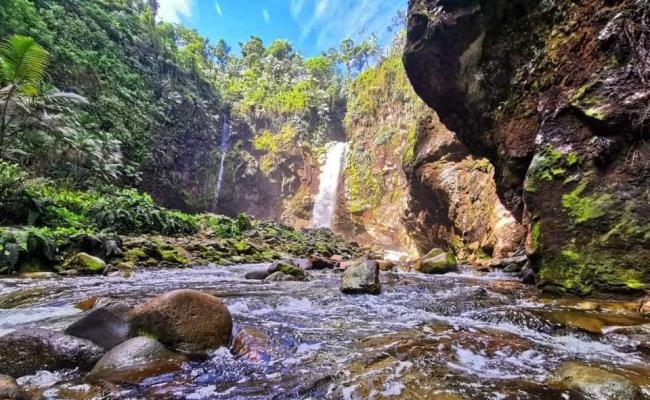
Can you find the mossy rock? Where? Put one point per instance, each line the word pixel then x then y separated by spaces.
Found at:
pixel 441 264
pixel 171 254
pixel 287 269
pixel 85 264
pixel 135 255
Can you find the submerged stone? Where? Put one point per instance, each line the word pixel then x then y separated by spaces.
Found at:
pixel 9 389
pixel 251 344
pixel 279 276
pixel 597 383
pixel 135 360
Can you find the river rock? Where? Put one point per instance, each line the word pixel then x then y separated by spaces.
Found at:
pixel 86 264
pixel 362 277
pixel 252 344
pixel 287 268
pixel 645 306
pixel 30 350
pixel 279 276
pixel 135 360
pixel 386 265
pixel 322 263
pixel 596 383
pixel 102 327
pixel 9 389
pixel 441 263
pixel 528 275
pixel 187 320
pixel 303 263
pixel 510 262
pixel 257 275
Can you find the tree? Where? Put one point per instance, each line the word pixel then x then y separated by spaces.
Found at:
pixel 22 67
pixel 252 51
pixel 221 53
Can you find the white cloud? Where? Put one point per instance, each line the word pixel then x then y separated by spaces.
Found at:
pixel 218 7
pixel 296 7
pixel 331 22
pixel 172 10
pixel 267 17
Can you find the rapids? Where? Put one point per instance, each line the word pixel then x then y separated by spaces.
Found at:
pixel 425 337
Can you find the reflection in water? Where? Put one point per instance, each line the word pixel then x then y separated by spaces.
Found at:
pixel 425 337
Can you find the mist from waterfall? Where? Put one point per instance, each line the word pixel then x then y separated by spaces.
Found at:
pixel 325 203
pixel 224 147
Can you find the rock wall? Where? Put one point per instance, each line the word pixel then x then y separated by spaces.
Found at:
pixel 556 94
pixel 453 200
pixel 410 184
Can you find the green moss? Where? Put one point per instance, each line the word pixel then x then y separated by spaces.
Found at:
pixel 585 208
pixel 170 254
pixel 536 236
pixel 551 164
pixel 364 187
pixel 411 141
pixel 134 255
pixel 582 269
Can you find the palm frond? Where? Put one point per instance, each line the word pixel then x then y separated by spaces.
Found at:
pixel 23 63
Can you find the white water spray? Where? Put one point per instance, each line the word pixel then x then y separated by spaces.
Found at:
pixel 224 146
pixel 325 203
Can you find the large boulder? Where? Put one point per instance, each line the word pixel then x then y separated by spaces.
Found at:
pixel 362 277
pixel 559 127
pixel 9 389
pixel 102 327
pixel 596 383
pixel 135 360
pixel 30 350
pixel 437 261
pixel 187 320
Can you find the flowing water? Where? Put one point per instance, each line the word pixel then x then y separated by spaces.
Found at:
pixel 325 203
pixel 224 147
pixel 425 337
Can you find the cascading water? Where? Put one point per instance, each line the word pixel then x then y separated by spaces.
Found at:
pixel 224 147
pixel 325 203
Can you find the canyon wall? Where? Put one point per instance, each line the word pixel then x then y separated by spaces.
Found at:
pixel 556 94
pixel 410 184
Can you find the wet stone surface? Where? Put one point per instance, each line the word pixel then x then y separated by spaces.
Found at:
pixel 444 337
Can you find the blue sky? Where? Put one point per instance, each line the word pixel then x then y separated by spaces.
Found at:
pixel 311 25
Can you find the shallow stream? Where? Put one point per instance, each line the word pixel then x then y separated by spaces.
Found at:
pixel 425 337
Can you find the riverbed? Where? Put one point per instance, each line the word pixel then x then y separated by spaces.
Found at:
pixel 450 337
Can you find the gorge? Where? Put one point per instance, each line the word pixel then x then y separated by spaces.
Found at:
pixel 456 209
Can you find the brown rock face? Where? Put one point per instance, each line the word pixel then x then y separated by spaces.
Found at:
pixel 453 199
pixel 556 95
pixel 187 320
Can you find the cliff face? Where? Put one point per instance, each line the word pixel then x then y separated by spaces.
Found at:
pixel 409 183
pixel 453 200
pixel 556 94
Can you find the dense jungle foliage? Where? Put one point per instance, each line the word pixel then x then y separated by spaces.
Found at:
pixel 90 98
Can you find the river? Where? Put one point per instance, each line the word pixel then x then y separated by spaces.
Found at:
pixel 448 337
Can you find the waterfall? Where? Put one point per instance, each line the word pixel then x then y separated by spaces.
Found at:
pixel 224 146
pixel 325 203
